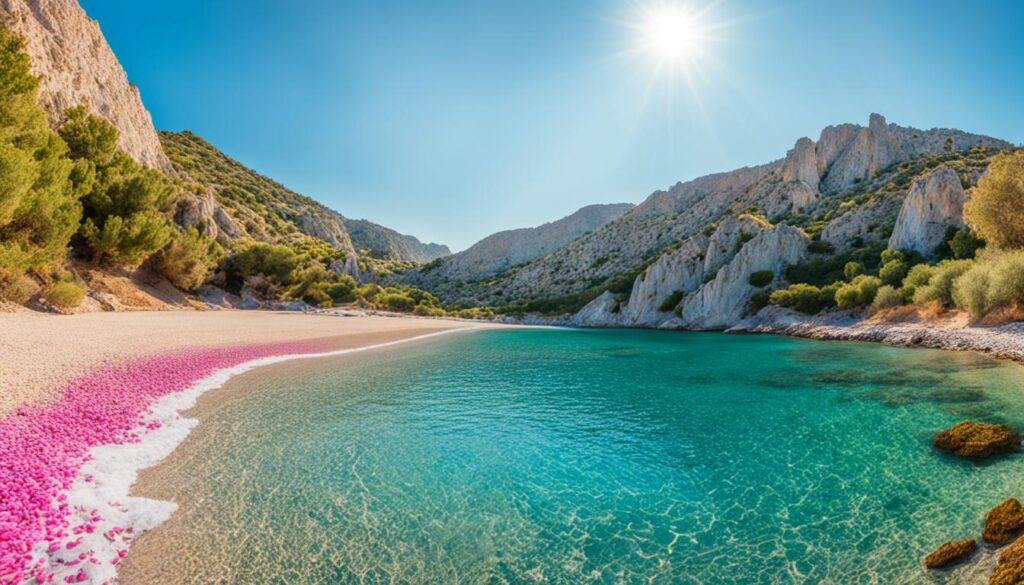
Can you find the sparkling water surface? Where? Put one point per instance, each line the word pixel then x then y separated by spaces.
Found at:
pixel 562 456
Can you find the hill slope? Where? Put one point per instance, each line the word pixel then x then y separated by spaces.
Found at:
pixel 503 250
pixel 258 207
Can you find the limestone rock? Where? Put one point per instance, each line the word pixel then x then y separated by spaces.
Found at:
pixel 723 301
pixel 202 212
pixel 801 164
pixel 934 203
pixel 386 243
pixel 600 312
pixel 1010 566
pixel 77 67
pixel 1004 522
pixel 678 271
pixel 976 440
pixel 866 223
pixel 950 553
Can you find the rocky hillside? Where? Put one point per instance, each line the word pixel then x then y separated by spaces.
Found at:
pixel 685 257
pixel 77 67
pixel 242 202
pixel 380 242
pixel 501 251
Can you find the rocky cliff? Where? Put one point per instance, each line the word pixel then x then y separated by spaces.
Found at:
pixel 847 187
pixel 77 67
pixel 934 204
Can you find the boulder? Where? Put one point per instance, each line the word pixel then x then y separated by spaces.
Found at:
pixel 950 553
pixel 976 440
pixel 1010 566
pixel 934 203
pixel 1003 522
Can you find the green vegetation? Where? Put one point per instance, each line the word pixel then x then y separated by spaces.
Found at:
pixel 126 206
pixel 762 278
pixel 805 298
pixel 671 302
pixel 858 293
pixel 64 294
pixel 39 212
pixel 822 271
pixel 188 259
pixel 887 297
pixel 995 209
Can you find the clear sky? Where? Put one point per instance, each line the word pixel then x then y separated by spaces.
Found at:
pixel 450 120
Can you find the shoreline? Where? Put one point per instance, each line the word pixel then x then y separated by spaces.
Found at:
pixel 76 441
pixel 1001 341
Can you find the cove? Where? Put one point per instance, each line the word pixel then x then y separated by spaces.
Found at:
pixel 583 456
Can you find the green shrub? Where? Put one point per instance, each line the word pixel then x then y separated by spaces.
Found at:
pixel 396 302
pixel 762 278
pixel 852 270
pixel 64 294
pixel 820 247
pixel 887 297
pixel 992 282
pixel 275 262
pixel 892 273
pixel 188 259
pixel 342 291
pixel 858 293
pixel 759 300
pixel 671 302
pixel 805 298
pixel 964 245
pixel 940 285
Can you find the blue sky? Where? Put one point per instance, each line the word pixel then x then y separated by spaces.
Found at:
pixel 450 120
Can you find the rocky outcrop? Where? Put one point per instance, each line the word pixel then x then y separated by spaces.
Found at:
pixel 676 273
pixel 976 440
pixel 950 553
pixel 934 203
pixel 1010 566
pixel 381 242
pixel 1004 522
pixel 77 67
pixel 724 301
pixel 871 221
pixel 202 212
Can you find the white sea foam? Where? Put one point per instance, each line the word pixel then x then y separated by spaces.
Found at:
pixel 104 483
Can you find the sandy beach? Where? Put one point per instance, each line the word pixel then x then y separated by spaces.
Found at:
pixel 87 400
pixel 41 353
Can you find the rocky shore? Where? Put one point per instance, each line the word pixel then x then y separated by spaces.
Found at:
pixel 1002 341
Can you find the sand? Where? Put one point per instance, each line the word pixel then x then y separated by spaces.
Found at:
pixel 41 353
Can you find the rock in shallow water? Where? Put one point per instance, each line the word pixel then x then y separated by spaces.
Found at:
pixel 977 440
pixel 1010 567
pixel 1003 522
pixel 949 553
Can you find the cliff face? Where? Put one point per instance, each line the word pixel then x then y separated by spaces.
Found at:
pixel 934 204
pixel 77 67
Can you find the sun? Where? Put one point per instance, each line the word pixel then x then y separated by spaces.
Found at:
pixel 672 33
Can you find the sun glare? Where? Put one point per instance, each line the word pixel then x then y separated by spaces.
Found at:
pixel 672 33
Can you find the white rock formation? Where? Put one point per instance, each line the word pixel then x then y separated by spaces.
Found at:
pixel 934 203
pixel 724 301
pixel 77 67
pixel 204 213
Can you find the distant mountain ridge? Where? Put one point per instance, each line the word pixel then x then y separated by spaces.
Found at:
pixel 504 250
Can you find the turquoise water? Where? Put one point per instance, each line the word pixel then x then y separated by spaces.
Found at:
pixel 549 456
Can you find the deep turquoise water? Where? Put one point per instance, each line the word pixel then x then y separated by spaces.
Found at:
pixel 555 456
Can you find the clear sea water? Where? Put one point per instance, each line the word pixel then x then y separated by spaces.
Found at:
pixel 560 456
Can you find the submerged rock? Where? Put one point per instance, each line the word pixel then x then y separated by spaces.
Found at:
pixel 949 553
pixel 1010 567
pixel 977 440
pixel 1003 522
